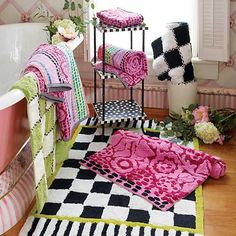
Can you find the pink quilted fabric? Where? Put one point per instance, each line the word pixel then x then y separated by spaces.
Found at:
pixel 119 17
pixel 158 170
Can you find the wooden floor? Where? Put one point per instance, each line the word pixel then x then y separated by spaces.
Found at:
pixel 219 195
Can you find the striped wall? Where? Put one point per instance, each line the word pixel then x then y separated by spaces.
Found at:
pixel 14 205
pixel 156 96
pixel 217 101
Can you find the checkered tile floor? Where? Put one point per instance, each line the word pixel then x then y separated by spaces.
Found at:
pixel 78 192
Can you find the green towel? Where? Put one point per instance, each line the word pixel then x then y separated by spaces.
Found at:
pixel 47 151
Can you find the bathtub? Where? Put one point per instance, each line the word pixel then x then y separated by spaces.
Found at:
pixel 16 46
pixel 18 41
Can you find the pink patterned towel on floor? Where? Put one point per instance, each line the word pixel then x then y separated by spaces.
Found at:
pixel 129 65
pixel 158 170
pixel 119 17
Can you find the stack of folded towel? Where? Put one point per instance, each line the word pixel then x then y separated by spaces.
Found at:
pixel 129 66
pixel 59 81
pixel 119 17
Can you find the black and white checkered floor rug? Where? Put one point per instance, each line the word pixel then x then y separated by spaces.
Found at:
pixel 83 203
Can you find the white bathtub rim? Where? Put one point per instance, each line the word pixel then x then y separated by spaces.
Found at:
pixel 15 95
pixel 10 98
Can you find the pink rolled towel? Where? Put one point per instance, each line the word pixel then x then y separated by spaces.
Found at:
pixel 129 65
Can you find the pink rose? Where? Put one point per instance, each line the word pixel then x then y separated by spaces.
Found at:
pixel 201 114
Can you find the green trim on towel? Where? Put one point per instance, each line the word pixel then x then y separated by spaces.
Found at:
pixel 199 196
pixel 41 193
pixel 200 210
pixel 196 144
pixel 35 140
pixel 50 113
pixel 43 136
pixel 63 147
pixel 49 163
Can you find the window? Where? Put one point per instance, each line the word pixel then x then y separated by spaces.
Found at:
pixel 214 23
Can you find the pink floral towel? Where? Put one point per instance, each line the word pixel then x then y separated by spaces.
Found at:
pixel 160 171
pixel 129 65
pixel 119 18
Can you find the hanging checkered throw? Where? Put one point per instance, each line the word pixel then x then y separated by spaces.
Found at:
pixel 173 53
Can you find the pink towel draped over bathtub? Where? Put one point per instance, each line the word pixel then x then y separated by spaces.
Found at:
pixel 52 68
pixel 119 17
pixel 158 170
pixel 56 76
pixel 129 65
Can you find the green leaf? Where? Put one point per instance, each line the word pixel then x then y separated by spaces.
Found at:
pixel 178 134
pixel 77 20
pixel 175 115
pixel 170 133
pixel 164 135
pixel 92 6
pixel 162 124
pixel 192 107
pixel 72 6
pixel 80 6
pixel 167 120
pixel 66 5
pixel 190 116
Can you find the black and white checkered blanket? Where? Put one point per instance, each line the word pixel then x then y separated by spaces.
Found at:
pixel 173 54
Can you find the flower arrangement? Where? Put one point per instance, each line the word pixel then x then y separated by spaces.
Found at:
pixel 209 125
pixel 66 29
